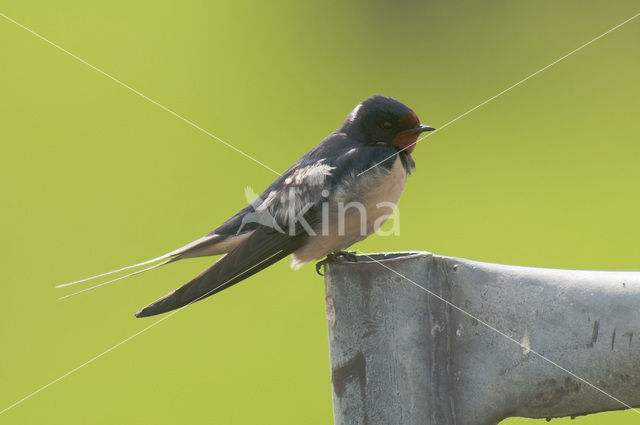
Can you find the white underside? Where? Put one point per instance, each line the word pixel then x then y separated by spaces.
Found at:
pixel 374 190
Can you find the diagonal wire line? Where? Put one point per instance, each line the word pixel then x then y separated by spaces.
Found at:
pixel 560 59
pixel 175 114
pixel 91 360
pixel 499 332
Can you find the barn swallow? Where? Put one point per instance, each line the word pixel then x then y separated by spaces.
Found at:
pixel 325 202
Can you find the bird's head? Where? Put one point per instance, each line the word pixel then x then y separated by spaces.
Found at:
pixel 385 120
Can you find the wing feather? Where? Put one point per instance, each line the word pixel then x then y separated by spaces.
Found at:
pixel 263 248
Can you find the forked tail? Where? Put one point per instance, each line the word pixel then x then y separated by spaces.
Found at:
pixel 121 277
pixel 133 266
pixel 196 247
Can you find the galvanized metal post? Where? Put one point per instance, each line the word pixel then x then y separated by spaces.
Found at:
pixel 400 355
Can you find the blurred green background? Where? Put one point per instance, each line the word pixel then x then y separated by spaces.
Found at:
pixel 93 177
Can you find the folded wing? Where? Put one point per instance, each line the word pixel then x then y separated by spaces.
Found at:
pixel 264 247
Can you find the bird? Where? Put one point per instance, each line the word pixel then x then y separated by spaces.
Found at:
pixel 338 193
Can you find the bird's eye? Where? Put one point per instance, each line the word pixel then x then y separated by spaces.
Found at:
pixel 387 124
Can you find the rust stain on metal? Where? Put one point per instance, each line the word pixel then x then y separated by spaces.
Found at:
pixel 331 315
pixel 594 333
pixel 354 369
pixel 551 392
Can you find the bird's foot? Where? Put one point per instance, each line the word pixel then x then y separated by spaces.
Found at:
pixel 346 255
pixel 334 256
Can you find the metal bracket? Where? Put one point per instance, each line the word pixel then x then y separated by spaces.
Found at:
pixel 401 355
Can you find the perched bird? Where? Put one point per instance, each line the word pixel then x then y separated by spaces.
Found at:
pixel 337 194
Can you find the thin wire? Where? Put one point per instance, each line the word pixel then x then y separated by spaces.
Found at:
pixel 175 114
pixel 449 303
pixel 505 91
pixel 129 338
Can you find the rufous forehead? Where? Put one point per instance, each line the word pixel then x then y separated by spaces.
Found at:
pixel 410 119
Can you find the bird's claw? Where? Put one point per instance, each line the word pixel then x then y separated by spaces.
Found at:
pixel 319 266
pixel 347 255
pixel 334 256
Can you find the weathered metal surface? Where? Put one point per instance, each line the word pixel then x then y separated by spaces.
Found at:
pixel 400 355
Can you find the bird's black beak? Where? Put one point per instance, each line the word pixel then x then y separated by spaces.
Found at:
pixel 422 128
